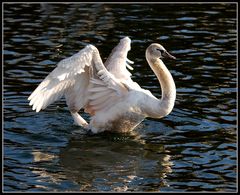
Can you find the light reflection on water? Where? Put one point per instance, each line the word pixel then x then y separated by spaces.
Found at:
pixel 192 149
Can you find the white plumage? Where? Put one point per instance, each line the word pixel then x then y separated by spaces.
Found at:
pixel 106 91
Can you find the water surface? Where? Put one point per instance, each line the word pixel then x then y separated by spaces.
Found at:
pixel 192 149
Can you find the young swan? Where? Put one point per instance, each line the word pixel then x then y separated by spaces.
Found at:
pixel 107 92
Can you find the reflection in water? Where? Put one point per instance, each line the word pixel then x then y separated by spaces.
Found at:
pixel 90 161
pixel 192 149
pixel 43 173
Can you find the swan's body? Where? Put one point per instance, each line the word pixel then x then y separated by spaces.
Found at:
pixel 106 91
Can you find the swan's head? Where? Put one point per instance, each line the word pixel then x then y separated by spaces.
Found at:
pixel 156 50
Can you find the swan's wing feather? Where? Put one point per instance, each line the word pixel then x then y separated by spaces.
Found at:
pixel 48 92
pixel 118 62
pixel 69 67
pixel 64 77
pixel 105 92
pixel 78 78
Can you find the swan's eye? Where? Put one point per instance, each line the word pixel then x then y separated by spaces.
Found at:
pixel 161 50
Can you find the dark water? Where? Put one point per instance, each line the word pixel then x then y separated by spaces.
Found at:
pixel 192 149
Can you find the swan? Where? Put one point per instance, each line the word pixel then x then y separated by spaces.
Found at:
pixel 106 91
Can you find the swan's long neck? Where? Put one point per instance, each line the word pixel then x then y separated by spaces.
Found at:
pixel 162 107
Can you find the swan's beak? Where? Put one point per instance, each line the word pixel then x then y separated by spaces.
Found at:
pixel 168 55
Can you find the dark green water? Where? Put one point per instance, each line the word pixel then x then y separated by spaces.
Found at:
pixel 192 149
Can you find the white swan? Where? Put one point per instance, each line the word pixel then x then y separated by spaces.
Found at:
pixel 107 92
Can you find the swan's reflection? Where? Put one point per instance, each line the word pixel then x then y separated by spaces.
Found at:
pixel 108 162
pixel 115 162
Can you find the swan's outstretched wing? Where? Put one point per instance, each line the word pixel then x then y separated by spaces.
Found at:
pixel 117 62
pixel 102 98
pixel 62 78
pixel 73 77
